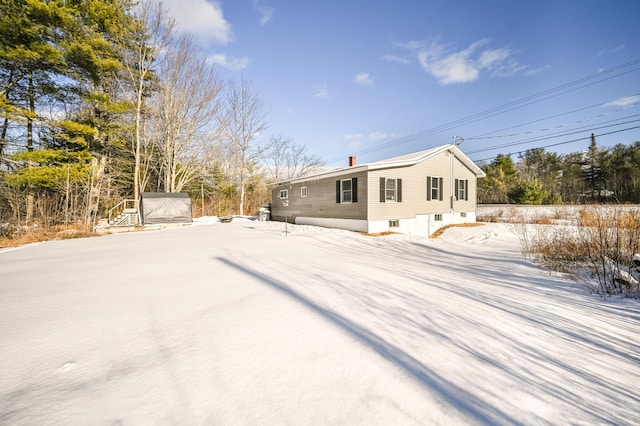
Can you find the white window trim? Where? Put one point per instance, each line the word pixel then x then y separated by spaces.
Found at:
pixel 342 191
pixel 284 194
pixel 462 189
pixel 435 179
pixel 395 190
pixel 303 192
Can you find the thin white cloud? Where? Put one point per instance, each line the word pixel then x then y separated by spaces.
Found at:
pixel 202 18
pixel 353 136
pixel 356 140
pixel 535 71
pixel 623 102
pixel 363 79
pixel 489 58
pixel 613 50
pixel 321 91
pixel 377 136
pixel 396 59
pixel 265 11
pixel 232 64
pixel 450 66
pixel 356 143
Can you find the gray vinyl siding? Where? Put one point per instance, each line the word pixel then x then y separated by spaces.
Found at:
pixel 414 189
pixel 460 171
pixel 321 199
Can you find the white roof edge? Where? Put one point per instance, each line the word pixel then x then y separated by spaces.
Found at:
pixel 431 153
pixel 384 164
pixel 469 162
pixel 336 172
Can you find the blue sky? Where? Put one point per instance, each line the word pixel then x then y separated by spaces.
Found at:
pixel 377 79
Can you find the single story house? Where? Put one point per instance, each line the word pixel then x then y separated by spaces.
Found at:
pixel 416 193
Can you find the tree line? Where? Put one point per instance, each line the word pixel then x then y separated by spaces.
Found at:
pixel 540 177
pixel 104 99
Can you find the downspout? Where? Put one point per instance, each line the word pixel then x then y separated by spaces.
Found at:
pixel 451 184
pixel 457 140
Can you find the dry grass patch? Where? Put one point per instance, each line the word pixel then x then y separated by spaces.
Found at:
pixel 542 220
pixel 23 236
pixel 378 234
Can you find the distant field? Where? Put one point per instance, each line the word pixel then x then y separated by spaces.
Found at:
pixel 552 213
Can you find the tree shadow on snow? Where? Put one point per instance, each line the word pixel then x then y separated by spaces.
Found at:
pixel 468 405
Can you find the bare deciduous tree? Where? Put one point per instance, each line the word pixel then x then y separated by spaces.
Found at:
pixel 187 105
pixel 284 159
pixel 244 119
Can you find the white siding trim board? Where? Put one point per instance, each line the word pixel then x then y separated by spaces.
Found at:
pixel 348 224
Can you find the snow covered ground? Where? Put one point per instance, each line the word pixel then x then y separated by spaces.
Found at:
pixel 236 323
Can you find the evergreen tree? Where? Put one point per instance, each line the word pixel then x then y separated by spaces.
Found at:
pixel 528 192
pixel 572 184
pixel 55 55
pixel 501 175
pixel 592 169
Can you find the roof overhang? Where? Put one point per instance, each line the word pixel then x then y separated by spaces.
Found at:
pixel 399 161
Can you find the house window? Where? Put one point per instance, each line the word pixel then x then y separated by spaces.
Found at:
pixel 434 188
pixel 463 214
pixel 284 194
pixel 303 192
pixel 437 217
pixel 462 189
pixel 347 191
pixel 390 190
pixel 394 223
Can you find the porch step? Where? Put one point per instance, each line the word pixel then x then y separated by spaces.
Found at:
pixel 128 217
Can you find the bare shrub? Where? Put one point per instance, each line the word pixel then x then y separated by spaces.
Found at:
pixel 587 217
pixel 7 230
pixel 488 219
pixel 599 249
pixel 514 215
pixel 612 237
pixel 558 248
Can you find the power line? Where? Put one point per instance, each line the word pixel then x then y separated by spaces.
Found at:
pixel 565 142
pixel 484 135
pixel 556 135
pixel 520 103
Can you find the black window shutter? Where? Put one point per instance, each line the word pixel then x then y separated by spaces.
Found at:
pixel 354 190
pixel 466 190
pixel 338 198
pixel 441 187
pixel 457 189
pixel 399 189
pixel 428 188
pixel 382 190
